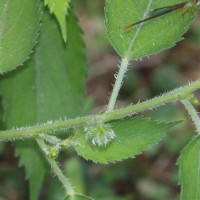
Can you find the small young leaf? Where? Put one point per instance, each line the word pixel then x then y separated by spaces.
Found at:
pixel 48 87
pixel 132 137
pixel 150 37
pixel 60 9
pixel 189 173
pixel 19 24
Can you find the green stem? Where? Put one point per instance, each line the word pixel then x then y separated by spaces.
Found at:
pixel 51 128
pixel 124 65
pixel 66 183
pixel 193 114
pixel 122 70
pixel 50 139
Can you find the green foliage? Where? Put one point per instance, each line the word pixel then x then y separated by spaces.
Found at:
pixel 73 170
pixel 19 25
pixel 60 9
pixel 145 39
pixel 78 197
pixel 50 86
pixel 56 192
pixel 47 87
pixel 132 137
pixel 189 172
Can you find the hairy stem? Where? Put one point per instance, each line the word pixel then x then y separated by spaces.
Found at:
pixel 65 182
pixel 122 70
pixel 53 127
pixel 193 114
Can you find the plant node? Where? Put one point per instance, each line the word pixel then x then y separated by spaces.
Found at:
pixel 99 134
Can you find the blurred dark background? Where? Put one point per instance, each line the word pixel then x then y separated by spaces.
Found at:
pixel 150 176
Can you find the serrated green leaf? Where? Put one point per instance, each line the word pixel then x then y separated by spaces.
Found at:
pixel 189 172
pixel 19 24
pixel 132 137
pixel 60 9
pixel 50 86
pixel 150 37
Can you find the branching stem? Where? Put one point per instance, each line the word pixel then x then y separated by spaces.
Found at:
pixel 193 114
pixel 52 128
pixel 65 182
